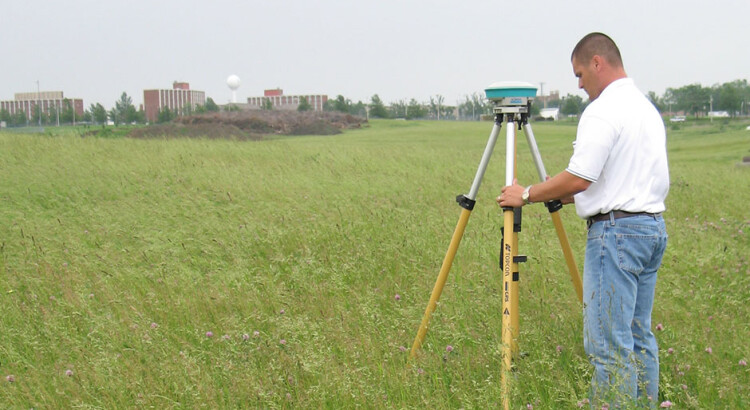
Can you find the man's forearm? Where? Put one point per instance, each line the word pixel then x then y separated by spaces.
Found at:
pixel 562 186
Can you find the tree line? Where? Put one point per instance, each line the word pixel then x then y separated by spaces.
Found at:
pixel 693 99
pixel 472 107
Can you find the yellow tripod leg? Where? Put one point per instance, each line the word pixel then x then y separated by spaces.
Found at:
pixel 509 240
pixel 554 207
pixel 515 325
pixel 467 203
pixel 458 233
pixel 575 277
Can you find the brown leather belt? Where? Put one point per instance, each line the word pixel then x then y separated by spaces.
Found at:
pixel 615 215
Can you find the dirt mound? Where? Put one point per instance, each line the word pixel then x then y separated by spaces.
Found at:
pixel 175 130
pixel 251 125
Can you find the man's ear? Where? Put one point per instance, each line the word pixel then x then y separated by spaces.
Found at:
pixel 597 61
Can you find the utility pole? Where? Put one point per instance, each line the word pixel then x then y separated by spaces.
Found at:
pixel 39 103
pixel 541 94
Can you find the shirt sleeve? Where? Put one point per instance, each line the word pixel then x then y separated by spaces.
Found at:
pixel 594 141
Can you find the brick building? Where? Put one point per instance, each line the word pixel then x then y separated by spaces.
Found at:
pixel 47 101
pixel 176 99
pixel 286 102
pixel 544 100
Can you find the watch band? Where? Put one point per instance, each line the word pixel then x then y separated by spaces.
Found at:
pixel 525 195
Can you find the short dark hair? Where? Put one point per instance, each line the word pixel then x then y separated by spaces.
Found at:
pixel 597 44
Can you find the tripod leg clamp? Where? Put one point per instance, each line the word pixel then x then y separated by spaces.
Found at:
pixel 553 206
pixel 465 202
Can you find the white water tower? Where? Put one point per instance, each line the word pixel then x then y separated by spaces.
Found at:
pixel 234 83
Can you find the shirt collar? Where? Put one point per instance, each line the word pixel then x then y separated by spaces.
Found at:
pixel 619 83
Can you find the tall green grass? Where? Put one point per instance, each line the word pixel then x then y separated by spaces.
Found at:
pixel 294 272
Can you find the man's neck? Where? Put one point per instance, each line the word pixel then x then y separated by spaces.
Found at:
pixel 616 74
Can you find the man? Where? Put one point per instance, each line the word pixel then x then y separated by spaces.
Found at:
pixel 618 179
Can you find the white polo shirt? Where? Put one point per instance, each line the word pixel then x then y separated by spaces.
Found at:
pixel 621 147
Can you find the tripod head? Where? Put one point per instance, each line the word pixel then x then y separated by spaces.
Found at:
pixel 511 97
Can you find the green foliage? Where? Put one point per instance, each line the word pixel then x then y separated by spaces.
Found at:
pixel 304 105
pixel 339 104
pixel 165 115
pixel 377 108
pixel 114 116
pixel 118 256
pixel 67 115
pixel 475 105
pixel 5 116
pixel 731 97
pixel 124 111
pixel 187 110
pixel 572 105
pixel 437 107
pixel 99 114
pixel 416 110
pixel 692 98
pixel 19 119
pixel 658 102
pixel 345 105
pixel 267 105
pixel 211 105
pixel 38 117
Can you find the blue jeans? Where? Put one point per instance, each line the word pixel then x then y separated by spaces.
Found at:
pixel 619 277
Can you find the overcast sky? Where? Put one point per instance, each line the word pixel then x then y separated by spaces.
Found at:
pixel 403 49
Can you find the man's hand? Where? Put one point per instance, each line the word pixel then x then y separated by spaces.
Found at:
pixel 511 196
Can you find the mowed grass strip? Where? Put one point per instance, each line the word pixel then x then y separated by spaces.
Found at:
pixel 294 272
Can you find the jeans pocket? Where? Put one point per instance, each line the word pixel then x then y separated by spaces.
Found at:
pixel 636 245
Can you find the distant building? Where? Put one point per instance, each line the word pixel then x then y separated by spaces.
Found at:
pixel 550 113
pixel 176 99
pixel 279 101
pixel 542 101
pixel 47 100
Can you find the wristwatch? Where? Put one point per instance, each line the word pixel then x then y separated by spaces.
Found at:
pixel 525 195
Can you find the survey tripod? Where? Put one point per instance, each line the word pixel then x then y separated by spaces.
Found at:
pixel 512 103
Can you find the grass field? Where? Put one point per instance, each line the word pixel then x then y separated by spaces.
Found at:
pixel 294 272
